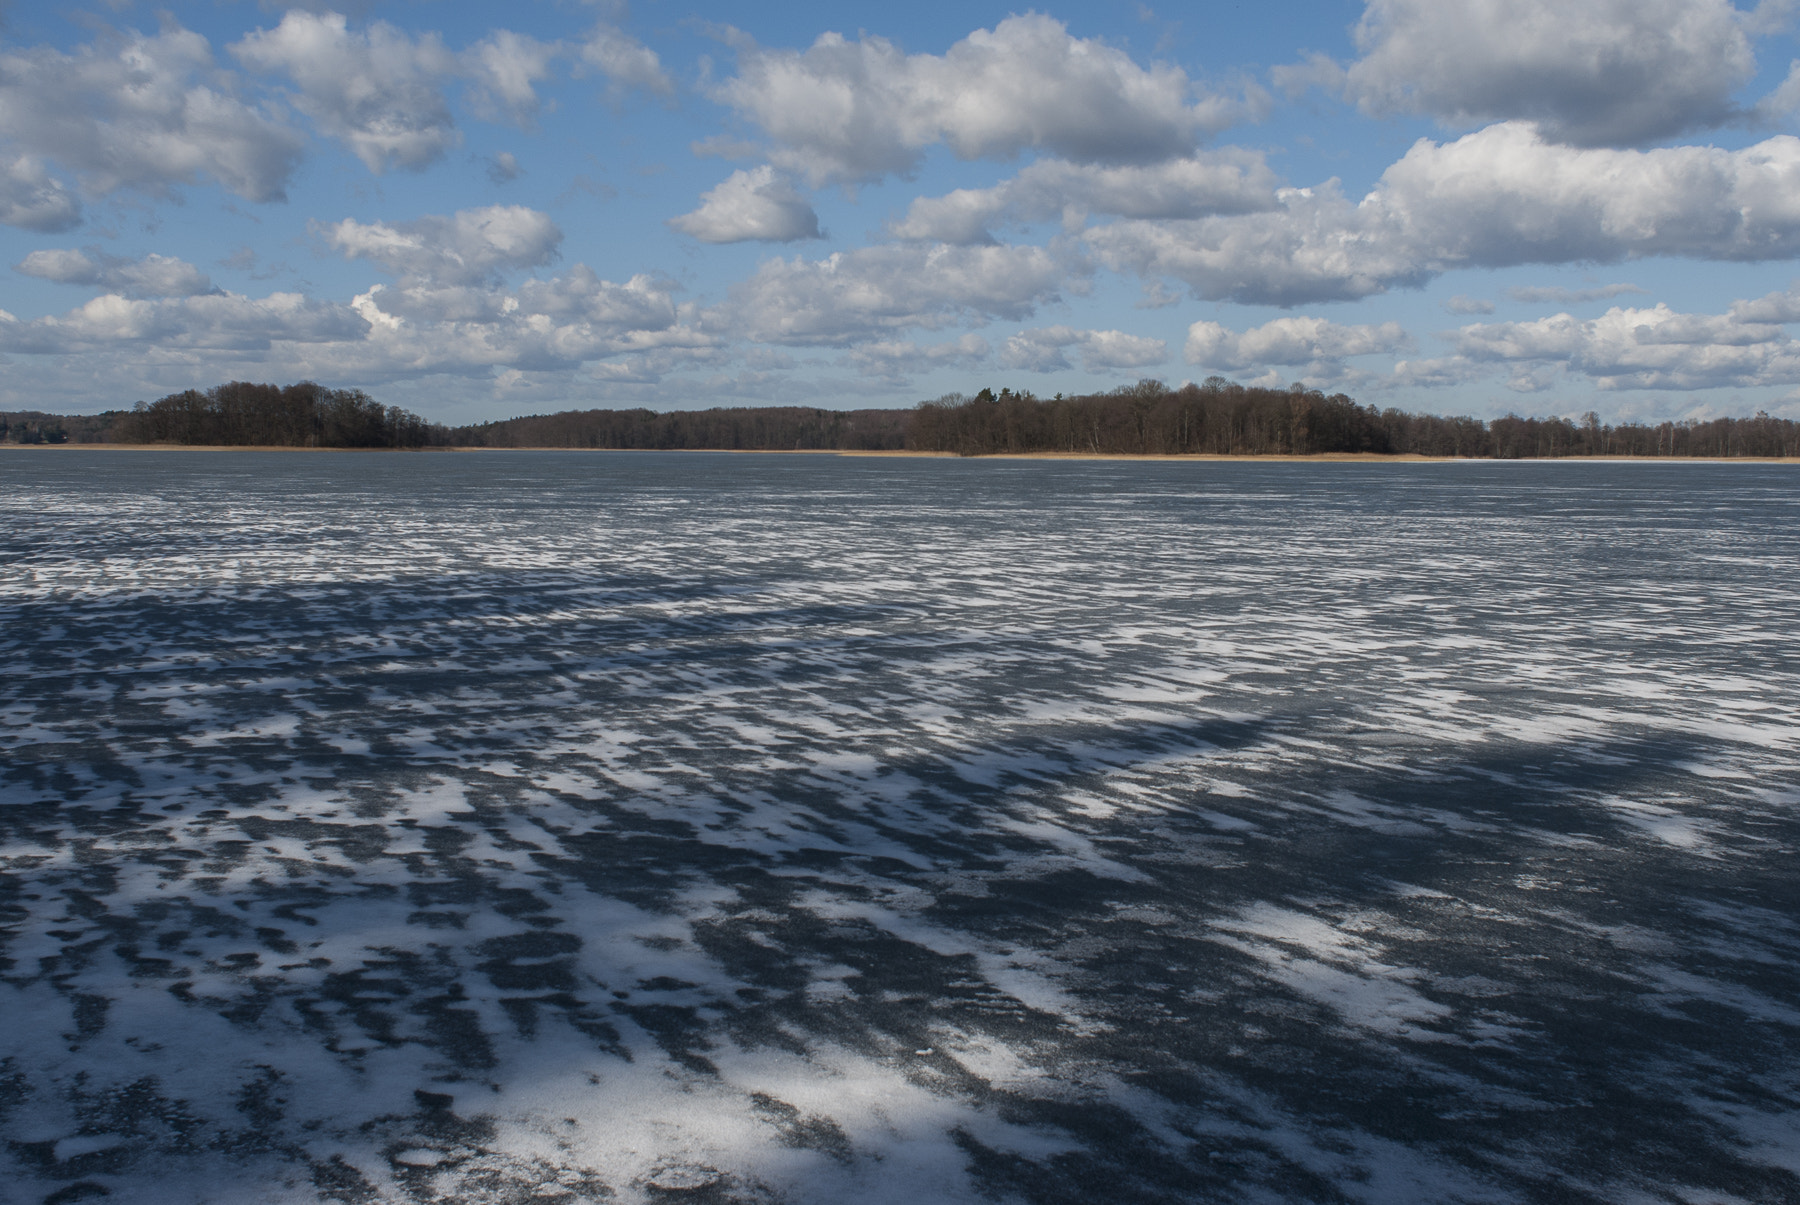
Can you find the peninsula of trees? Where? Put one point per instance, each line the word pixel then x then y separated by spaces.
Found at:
pixel 1216 417
pixel 303 415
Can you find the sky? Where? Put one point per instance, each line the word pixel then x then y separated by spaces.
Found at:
pixel 477 210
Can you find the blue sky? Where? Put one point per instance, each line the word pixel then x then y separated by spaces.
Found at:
pixel 1537 206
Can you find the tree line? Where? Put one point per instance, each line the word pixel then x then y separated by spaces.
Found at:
pixel 36 427
pixel 1216 417
pixel 743 428
pixel 303 415
pixel 1220 417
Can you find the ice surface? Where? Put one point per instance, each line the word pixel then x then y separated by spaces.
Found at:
pixel 631 828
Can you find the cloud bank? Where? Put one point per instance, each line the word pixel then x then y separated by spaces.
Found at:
pixel 1598 73
pixel 1500 197
pixel 857 111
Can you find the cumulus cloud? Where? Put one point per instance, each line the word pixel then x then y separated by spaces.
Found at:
pixel 897 360
pixel 1499 197
pixel 212 322
pixel 1785 100
pixel 1046 350
pixel 1290 341
pixel 152 276
pixel 380 92
pixel 757 205
pixel 544 325
pixel 1505 196
pixel 853 295
pixel 1770 17
pixel 1316 247
pixel 389 332
pixel 31 200
pixel 504 70
pixel 626 62
pixel 1598 73
pixel 135 112
pixel 857 111
pixel 643 303
pixel 1219 182
pixel 650 367
pixel 1778 308
pixel 1444 372
pixel 466 247
pixel 1656 348
pixel 503 167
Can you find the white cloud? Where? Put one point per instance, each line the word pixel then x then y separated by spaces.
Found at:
pixel 144 113
pixel 852 295
pixel 31 200
pixel 643 303
pixel 1538 294
pixel 1504 196
pixel 1779 308
pixel 1655 348
pixel 898 360
pixel 467 247
pixel 504 70
pixel 388 333
pixel 851 111
pixel 1770 17
pixel 1600 72
pixel 1290 341
pixel 1218 182
pixel 1315 247
pixel 756 204
pixel 626 62
pixel 214 321
pixel 152 276
pixel 1314 71
pixel 503 167
pixel 1445 372
pixel 1464 304
pixel 447 314
pixel 1785 100
pixel 544 325
pixel 380 92
pixel 1499 197
pixel 1044 350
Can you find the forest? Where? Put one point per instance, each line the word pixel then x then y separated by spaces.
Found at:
pixel 1219 417
pixel 36 427
pixel 1215 417
pixel 303 415
pixel 744 428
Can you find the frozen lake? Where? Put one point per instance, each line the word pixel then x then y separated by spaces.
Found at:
pixel 691 827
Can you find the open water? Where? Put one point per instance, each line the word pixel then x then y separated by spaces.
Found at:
pixel 691 827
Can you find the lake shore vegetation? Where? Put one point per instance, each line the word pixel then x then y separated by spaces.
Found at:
pixel 1214 418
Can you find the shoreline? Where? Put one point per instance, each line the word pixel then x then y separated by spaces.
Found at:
pixel 1284 457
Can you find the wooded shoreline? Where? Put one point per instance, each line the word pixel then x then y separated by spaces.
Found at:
pixel 1217 419
pixel 1180 458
